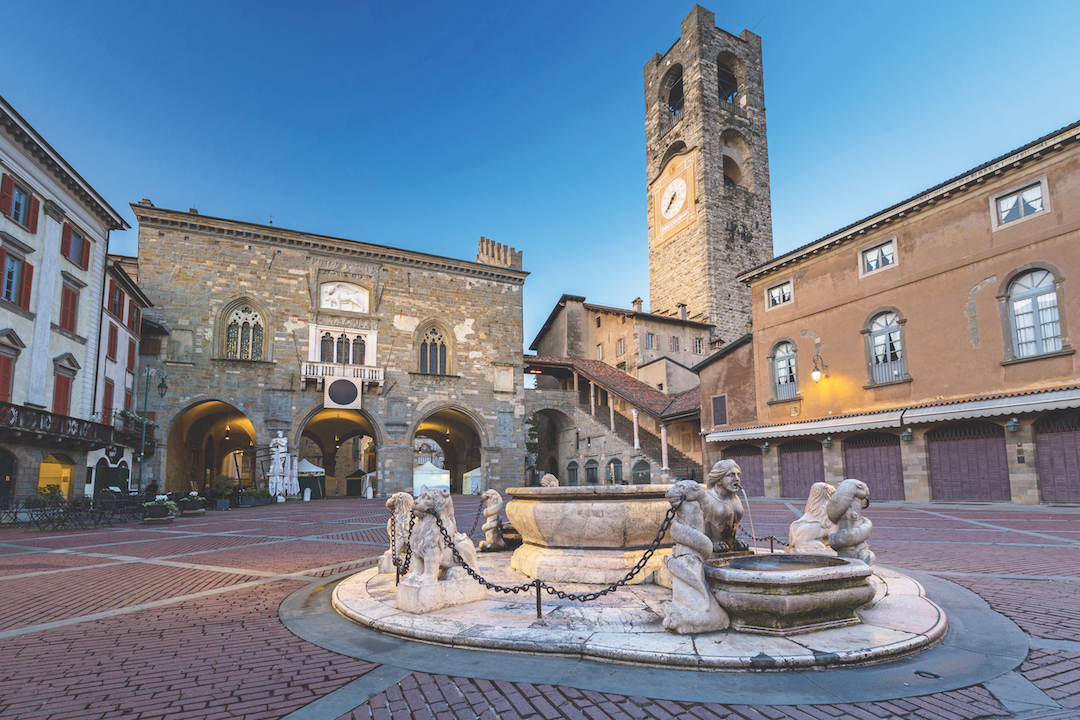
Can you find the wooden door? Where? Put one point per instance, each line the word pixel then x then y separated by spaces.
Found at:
pixel 753 473
pixel 968 462
pixel 1057 452
pixel 874 458
pixel 801 465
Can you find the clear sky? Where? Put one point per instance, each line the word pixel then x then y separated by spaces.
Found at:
pixel 425 125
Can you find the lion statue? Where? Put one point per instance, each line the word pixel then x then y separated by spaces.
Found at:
pixel 810 533
pixel 549 480
pixel 852 529
pixel 400 506
pixel 432 558
pixel 493 539
pixel 724 483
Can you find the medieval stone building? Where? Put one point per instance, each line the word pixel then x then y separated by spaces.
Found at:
pixel 326 339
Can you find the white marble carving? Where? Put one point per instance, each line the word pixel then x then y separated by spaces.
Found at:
pixel 810 533
pixel 343 296
pixel 853 530
pixel 549 480
pixel 493 539
pixel 723 484
pixel 432 558
pixel 692 608
pixel 279 448
pixel 400 506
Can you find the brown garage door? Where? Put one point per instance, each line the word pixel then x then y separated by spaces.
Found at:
pixel 874 458
pixel 801 466
pixel 753 474
pixel 967 462
pixel 1057 449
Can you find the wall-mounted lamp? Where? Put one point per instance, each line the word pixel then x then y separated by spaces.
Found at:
pixel 1013 425
pixel 907 435
pixel 819 366
pixel 226 431
pixel 827 442
pixel 765 447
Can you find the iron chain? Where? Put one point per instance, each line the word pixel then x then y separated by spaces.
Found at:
pixel 767 538
pixel 402 567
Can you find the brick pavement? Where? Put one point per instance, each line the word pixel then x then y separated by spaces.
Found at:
pixel 186 619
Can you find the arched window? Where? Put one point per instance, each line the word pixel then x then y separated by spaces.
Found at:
pixel 785 386
pixel 359 351
pixel 672 98
pixel 571 473
pixel 244 334
pixel 592 472
pixel 884 334
pixel 433 352
pixel 613 474
pixel 343 345
pixel 727 83
pixel 326 348
pixel 737 160
pixel 1033 307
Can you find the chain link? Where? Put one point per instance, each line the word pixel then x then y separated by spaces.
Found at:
pixel 402 567
pixel 767 538
pixel 479 514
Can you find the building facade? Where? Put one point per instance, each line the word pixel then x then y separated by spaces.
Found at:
pixel 707 173
pixel 926 349
pixel 324 339
pixel 54 233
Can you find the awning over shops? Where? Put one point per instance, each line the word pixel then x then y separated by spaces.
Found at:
pixel 824 426
pixel 1041 402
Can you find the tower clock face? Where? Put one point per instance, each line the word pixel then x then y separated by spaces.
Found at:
pixel 673 198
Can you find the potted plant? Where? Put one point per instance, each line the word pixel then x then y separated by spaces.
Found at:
pixel 248 497
pixel 192 504
pixel 159 511
pixel 222 487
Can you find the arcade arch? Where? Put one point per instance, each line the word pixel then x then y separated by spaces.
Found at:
pixel 343 443
pixel 461 437
pixel 208 439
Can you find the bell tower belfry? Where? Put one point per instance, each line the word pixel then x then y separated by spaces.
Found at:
pixel 707 165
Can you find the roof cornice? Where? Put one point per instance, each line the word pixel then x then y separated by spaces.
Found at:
pixel 273 235
pixel 1054 142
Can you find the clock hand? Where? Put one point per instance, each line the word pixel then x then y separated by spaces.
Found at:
pixel 673 196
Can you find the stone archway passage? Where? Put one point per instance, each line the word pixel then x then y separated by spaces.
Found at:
pixel 201 438
pixel 333 439
pixel 874 458
pixel 460 439
pixel 1057 452
pixel 753 471
pixel 968 462
pixel 801 465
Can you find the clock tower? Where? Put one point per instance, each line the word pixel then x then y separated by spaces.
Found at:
pixel 707 170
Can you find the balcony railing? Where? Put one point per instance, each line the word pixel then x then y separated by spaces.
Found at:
pixel 33 424
pixel 367 373
pixel 129 431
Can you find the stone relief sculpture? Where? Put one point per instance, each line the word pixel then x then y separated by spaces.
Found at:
pixel 400 506
pixel 549 480
pixel 692 608
pixel 723 484
pixel 810 533
pixel 343 296
pixel 852 529
pixel 432 558
pixel 493 539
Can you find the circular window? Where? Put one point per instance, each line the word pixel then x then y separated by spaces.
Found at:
pixel 342 392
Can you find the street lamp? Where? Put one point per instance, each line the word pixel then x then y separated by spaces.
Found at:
pixel 162 388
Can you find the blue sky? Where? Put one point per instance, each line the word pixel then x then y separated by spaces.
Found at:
pixel 425 125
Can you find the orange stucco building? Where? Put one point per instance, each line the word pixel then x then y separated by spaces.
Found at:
pixel 939 332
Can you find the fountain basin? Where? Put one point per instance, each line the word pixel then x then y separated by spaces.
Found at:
pixel 780 594
pixel 587 534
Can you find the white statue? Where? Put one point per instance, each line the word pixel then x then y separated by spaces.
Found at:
pixel 279 448
pixel 692 608
pixel 852 529
pixel 549 480
pixel 400 506
pixel 810 533
pixel 432 559
pixel 493 539
pixel 724 482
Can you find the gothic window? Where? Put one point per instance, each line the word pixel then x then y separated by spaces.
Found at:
pixel 326 348
pixel 885 348
pixel 783 371
pixel 343 350
pixel 244 334
pixel 433 352
pixel 359 351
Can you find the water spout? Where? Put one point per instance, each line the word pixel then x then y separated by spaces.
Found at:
pixel 750 517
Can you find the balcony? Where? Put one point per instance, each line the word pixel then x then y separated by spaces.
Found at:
pixel 32 426
pixel 320 370
pixel 128 431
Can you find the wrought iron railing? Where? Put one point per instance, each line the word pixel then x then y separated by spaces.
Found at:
pixel 367 373
pixel 40 422
pixel 887 372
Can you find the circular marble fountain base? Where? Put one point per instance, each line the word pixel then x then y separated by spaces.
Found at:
pixel 625 626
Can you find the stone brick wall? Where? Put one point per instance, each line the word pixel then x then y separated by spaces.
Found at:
pixel 193 267
pixel 733 231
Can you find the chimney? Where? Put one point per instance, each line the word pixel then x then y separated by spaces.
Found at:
pixel 637 304
pixel 682 310
pixel 193 211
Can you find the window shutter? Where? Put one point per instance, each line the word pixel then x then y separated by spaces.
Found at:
pixel 7 194
pixel 3 266
pixel 129 401
pixel 138 322
pixel 27 284
pixel 85 253
pixel 112 294
pixel 65 241
pixel 61 394
pixel 131 356
pixel 5 378
pixel 112 342
pixel 31 220
pixel 719 410
pixel 107 403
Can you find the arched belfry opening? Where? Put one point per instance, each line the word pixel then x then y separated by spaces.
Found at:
pixel 738 160
pixel 460 439
pixel 730 79
pixel 672 96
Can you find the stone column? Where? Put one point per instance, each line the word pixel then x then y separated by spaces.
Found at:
pixel 663 447
pixel 46 277
pixel 395 466
pixel 770 467
pixel 1020 451
pixel 592 398
pixel 611 411
pixel 637 442
pixel 833 457
pixel 915 460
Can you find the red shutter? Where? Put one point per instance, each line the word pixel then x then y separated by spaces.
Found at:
pixel 27 284
pixel 112 294
pixel 129 400
pixel 61 394
pixel 7 194
pixel 3 272
pixel 65 241
pixel 131 313
pixel 5 378
pixel 107 403
pixel 131 356
pixel 85 253
pixel 111 353
pixel 31 221
pixel 69 304
pixel 138 322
